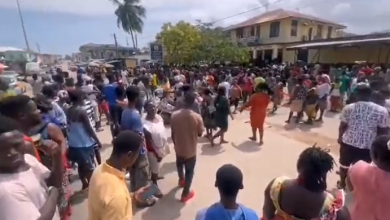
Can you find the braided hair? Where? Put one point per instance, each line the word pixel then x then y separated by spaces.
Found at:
pixel 313 165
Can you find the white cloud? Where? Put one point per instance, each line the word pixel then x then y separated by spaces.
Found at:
pixel 360 15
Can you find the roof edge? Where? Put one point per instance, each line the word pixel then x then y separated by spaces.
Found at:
pixel 232 27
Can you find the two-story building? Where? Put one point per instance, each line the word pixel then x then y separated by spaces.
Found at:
pixel 269 34
pixel 104 51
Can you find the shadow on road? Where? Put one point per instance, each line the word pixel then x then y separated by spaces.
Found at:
pixel 167 168
pixel 247 146
pixel 78 197
pixel 167 208
pixel 208 150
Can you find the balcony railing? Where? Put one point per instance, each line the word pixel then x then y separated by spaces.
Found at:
pixel 249 41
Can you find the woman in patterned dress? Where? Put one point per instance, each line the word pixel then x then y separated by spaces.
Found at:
pixel 305 197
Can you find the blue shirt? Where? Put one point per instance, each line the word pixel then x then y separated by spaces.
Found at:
pixel 131 120
pixel 217 211
pixel 58 113
pixel 110 93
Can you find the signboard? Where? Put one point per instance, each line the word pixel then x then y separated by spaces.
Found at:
pixel 156 51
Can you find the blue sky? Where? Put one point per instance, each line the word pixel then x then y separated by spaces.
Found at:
pixel 60 26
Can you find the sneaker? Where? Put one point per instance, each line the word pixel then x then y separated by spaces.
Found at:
pixel 190 195
pixel 181 183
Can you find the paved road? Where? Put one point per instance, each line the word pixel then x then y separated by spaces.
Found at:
pixel 282 145
pixel 259 164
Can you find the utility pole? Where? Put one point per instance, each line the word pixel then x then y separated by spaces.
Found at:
pixel 116 44
pixel 127 41
pixel 23 27
pixel 38 48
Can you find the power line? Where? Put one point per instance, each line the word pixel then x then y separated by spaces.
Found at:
pixel 234 15
pixel 247 11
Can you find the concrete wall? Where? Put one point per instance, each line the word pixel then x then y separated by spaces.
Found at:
pixel 285 32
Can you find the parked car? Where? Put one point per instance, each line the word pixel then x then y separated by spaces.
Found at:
pixel 12 79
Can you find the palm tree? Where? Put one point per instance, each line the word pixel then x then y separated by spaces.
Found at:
pixel 130 15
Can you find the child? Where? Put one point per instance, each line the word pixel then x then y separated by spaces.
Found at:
pixel 311 103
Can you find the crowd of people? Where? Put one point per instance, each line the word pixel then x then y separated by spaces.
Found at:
pixel 44 138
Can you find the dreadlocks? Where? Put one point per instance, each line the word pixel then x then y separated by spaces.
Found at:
pixel 313 164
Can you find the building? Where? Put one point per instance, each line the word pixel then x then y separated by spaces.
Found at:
pixel 76 57
pixel 373 48
pixel 104 51
pixel 48 59
pixel 270 34
pixel 12 54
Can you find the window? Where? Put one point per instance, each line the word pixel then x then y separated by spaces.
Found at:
pixel 274 29
pixel 252 31
pixel 258 31
pixel 239 33
pixel 294 28
pixel 330 29
pixel 319 30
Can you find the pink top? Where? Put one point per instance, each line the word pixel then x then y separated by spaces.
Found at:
pixel 371 192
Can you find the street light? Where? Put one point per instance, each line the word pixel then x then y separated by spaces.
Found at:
pixel 23 27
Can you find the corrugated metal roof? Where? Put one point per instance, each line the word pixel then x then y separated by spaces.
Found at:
pixel 3 49
pixel 331 43
pixel 280 14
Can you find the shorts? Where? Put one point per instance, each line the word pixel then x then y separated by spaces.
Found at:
pixel 153 163
pixel 103 107
pixel 350 155
pixel 83 156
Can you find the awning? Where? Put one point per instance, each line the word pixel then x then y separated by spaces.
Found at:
pixel 342 43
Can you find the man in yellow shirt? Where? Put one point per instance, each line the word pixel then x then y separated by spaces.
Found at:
pixel 108 196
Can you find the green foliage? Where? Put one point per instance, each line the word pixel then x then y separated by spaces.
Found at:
pixel 185 43
pixel 130 15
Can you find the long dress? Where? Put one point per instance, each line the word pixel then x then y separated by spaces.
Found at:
pixel 222 111
pixel 258 103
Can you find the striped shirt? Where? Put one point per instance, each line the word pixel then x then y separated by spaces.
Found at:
pixel 90 112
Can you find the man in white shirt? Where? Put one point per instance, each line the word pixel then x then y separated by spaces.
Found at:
pixel 360 124
pixel 227 87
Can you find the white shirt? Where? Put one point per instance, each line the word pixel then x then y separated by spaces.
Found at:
pixel 23 194
pixel 227 87
pixel 323 90
pixel 124 77
pixel 363 119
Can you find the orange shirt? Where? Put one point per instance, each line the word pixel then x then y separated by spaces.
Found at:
pixel 210 80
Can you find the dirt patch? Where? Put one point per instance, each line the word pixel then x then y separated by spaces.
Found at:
pixel 306 137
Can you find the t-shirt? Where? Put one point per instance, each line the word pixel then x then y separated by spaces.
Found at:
pixel 131 120
pixel 231 214
pixel 186 125
pixel 23 194
pixel 227 88
pixel 109 92
pixel 108 197
pixel 217 211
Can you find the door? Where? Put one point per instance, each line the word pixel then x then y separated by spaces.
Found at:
pixel 310 33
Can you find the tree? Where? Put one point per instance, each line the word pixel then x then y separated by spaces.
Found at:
pixel 217 46
pixel 179 41
pixel 130 15
pixel 185 43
